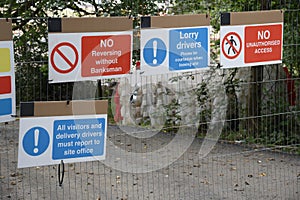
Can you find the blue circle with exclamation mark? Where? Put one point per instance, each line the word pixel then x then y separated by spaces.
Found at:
pixel 155 52
pixel 36 141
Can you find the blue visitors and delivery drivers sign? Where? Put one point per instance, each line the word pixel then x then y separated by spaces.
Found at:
pixel 48 140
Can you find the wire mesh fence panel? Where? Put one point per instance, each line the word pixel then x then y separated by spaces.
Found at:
pixel 209 134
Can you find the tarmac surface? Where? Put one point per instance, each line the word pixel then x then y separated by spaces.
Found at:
pixel 229 171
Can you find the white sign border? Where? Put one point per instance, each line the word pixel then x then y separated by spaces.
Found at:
pixel 11 73
pixel 25 160
pixel 164 35
pixel 239 62
pixel 75 39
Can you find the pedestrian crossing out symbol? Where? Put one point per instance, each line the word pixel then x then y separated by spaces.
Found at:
pixel 231 45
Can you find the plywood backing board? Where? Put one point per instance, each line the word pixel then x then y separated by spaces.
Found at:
pixel 91 24
pixel 175 21
pixel 63 108
pixel 6 30
pixel 252 17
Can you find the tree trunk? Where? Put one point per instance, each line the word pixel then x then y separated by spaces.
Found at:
pixel 254 108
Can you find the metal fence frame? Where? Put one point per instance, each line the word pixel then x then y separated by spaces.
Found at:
pixel 265 165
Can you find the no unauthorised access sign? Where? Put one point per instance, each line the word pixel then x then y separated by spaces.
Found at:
pixel 263 43
pixel 251 38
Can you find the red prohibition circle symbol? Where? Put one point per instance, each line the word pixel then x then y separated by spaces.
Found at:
pixel 231 43
pixel 72 65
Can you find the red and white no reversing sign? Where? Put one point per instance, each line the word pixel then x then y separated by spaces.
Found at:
pixel 89 56
pixel 251 45
pixel 105 55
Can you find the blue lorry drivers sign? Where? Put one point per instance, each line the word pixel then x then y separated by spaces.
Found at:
pixel 174 49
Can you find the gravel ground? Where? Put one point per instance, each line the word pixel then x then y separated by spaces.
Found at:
pixel 229 171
